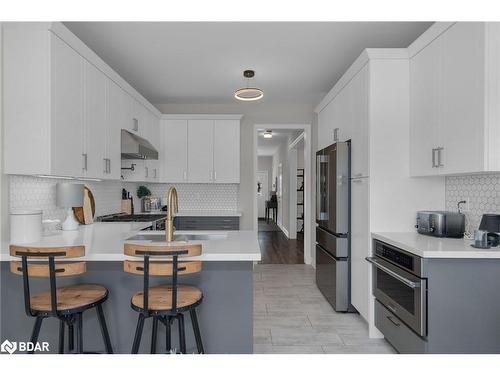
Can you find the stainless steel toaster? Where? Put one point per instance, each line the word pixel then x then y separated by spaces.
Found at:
pixel 441 223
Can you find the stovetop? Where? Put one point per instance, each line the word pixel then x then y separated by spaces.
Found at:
pixel 132 218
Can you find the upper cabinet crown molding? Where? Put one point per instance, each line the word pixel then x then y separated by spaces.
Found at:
pixel 428 36
pixel 201 116
pixel 358 64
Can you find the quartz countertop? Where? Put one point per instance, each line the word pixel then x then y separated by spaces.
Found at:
pixel 104 242
pixel 435 247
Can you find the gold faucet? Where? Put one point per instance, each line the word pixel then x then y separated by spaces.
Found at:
pixel 172 207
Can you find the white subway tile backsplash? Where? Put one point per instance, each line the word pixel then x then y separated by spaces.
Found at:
pixel 37 192
pixel 482 193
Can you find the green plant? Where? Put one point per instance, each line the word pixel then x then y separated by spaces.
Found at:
pixel 143 191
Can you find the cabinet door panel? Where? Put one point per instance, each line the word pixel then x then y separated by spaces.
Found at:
pixel 227 151
pixel 360 245
pixel 117 117
pixel 200 150
pixel 359 117
pixel 67 109
pixel 174 151
pixel 95 121
pixel 462 98
pixel 424 109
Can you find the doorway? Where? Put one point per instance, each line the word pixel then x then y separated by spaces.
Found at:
pixel 284 235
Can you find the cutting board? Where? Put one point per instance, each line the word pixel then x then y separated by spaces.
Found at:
pixel 85 214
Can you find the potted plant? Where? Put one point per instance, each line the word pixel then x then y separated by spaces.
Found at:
pixel 143 193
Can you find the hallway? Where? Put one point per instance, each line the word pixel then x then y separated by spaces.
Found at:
pixel 276 248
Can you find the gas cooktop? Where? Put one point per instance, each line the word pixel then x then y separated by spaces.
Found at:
pixel 129 218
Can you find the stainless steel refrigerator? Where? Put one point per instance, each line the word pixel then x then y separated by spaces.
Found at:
pixel 333 201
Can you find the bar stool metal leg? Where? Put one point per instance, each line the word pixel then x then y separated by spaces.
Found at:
pixel 182 333
pixel 71 336
pixel 104 330
pixel 196 329
pixel 168 323
pixel 79 333
pixel 138 334
pixel 154 335
pixel 36 331
pixel 61 336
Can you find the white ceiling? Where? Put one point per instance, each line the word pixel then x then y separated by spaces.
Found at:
pixel 202 62
pixel 281 137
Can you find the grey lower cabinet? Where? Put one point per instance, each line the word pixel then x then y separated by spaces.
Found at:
pixel 207 223
pixel 463 310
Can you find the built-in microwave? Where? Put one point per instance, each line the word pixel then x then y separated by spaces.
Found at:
pixel 399 285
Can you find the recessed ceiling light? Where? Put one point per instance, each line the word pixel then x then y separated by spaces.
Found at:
pixel 249 94
pixel 268 134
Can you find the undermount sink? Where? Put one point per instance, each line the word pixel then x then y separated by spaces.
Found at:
pixel 155 237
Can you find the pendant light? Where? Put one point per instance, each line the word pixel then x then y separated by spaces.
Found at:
pixel 249 94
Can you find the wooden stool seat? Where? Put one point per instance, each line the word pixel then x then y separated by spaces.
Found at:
pixel 70 297
pixel 160 297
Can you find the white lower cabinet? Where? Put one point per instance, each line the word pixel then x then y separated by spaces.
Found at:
pixel 360 244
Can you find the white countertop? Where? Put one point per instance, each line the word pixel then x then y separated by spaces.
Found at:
pixel 104 242
pixel 198 213
pixel 435 247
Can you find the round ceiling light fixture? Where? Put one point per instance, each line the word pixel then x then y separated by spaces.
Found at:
pixel 268 134
pixel 249 94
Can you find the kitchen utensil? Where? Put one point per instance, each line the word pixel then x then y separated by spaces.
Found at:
pixel 490 223
pixel 25 226
pixel 69 195
pixel 85 214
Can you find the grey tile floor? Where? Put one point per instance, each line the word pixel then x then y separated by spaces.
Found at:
pixel 292 316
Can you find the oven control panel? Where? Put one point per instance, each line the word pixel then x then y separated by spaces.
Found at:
pixel 398 257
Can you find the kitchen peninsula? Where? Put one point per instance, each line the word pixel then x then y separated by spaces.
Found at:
pixel 226 280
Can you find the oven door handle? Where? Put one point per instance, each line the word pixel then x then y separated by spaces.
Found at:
pixel 404 280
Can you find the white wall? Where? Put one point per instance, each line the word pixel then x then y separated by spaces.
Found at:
pixel 254 113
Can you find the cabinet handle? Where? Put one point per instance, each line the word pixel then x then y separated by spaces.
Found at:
pixel 356 175
pixel 215 175
pixel 105 165
pixel 184 176
pixel 434 158
pixel 439 162
pixel 393 320
pixel 135 126
pixel 109 165
pixel 154 174
pixel 84 160
pixel 147 172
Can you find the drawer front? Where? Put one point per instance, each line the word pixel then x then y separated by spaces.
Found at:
pixel 397 333
pixel 207 223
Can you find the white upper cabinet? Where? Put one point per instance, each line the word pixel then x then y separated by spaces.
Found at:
pixel 200 150
pixel 70 118
pixel 95 122
pixel 226 151
pixel 454 97
pixel 174 157
pixel 68 158
pixel 118 114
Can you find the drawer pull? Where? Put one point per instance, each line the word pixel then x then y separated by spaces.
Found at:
pixel 393 321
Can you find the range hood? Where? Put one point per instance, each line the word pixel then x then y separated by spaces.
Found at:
pixel 135 147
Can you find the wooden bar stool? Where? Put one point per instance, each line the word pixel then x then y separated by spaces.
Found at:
pixel 165 303
pixel 65 303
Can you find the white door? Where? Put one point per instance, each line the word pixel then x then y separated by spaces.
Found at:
pixel 117 117
pixel 424 113
pixel 360 244
pixel 227 151
pixel 262 193
pixel 200 150
pixel 67 109
pixel 174 151
pixel 95 121
pixel 462 98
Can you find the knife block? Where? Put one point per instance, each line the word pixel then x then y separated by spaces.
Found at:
pixel 127 206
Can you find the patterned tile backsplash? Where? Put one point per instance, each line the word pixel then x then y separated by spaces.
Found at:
pixel 36 192
pixel 482 193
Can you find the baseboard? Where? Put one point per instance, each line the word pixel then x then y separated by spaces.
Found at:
pixel 284 230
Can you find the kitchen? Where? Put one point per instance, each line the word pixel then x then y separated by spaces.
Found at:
pixel 395 121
